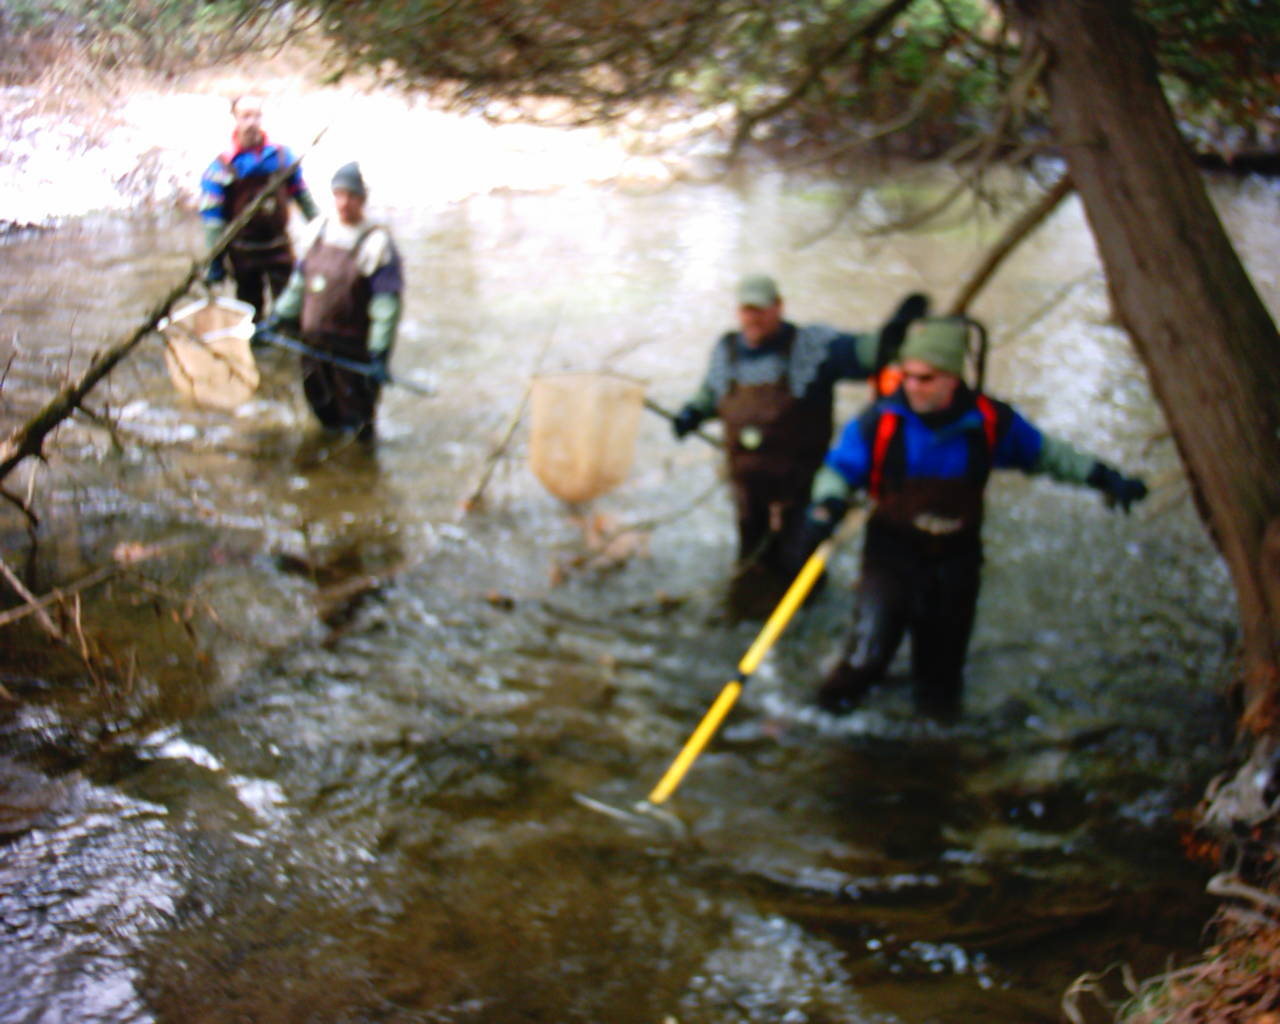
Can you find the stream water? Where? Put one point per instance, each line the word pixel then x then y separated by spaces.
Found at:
pixel 334 776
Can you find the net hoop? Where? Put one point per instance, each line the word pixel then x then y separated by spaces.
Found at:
pixel 583 432
pixel 208 354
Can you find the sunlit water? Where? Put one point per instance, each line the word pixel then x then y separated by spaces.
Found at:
pixel 335 778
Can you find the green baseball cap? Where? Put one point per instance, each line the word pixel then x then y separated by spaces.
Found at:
pixel 758 290
pixel 940 341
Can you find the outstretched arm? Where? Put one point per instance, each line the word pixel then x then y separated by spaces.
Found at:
pixel 702 406
pixel 1058 459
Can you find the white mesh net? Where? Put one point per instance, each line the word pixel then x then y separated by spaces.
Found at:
pixel 583 432
pixel 208 354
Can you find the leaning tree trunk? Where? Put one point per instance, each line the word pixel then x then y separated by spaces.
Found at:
pixel 1210 347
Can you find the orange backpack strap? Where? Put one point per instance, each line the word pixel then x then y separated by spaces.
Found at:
pixel 884 434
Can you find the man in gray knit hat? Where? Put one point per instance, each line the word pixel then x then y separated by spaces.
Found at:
pixel 345 298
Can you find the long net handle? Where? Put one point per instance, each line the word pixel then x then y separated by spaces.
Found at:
pixel 773 628
pixel 768 635
pixel 667 414
pixel 700 738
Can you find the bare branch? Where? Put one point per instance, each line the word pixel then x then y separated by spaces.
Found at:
pixel 987 146
pixel 22 506
pixel 472 500
pixel 1014 234
pixel 34 606
pixel 28 439
pixel 914 110
pixel 866 30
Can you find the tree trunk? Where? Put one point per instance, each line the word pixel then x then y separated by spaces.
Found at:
pixel 1209 345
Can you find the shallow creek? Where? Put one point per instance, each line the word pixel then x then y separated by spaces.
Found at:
pixel 337 780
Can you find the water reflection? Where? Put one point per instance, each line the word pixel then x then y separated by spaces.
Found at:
pixel 343 787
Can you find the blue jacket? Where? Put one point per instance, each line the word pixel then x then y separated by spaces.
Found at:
pixel 239 165
pixel 945 451
pixel 927 475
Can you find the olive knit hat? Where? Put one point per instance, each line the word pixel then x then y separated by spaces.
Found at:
pixel 940 341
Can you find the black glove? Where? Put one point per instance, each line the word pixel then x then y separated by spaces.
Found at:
pixel 820 521
pixel 216 271
pixel 274 323
pixel 1118 490
pixel 913 307
pixel 378 369
pixel 686 421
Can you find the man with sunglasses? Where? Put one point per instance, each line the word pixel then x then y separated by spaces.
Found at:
pixel 923 456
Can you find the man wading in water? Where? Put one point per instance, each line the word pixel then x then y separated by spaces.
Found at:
pixel 772 384
pixel 924 454
pixel 345 298
pixel 261 254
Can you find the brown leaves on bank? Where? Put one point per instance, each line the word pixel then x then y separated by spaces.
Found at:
pixel 1237 982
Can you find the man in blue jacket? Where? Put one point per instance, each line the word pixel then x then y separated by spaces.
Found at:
pixel 261 254
pixel 923 456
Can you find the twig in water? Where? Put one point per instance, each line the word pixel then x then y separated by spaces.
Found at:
pixel 34 605
pixel 472 500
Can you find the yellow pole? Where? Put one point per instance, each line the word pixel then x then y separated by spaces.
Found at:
pixel 701 736
pixel 777 622
pixel 791 601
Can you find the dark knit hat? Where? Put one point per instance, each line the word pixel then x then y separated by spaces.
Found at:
pixel 349 179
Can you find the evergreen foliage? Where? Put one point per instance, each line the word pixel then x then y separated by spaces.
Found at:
pixel 926 74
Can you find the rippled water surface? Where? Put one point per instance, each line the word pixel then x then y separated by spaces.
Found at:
pixel 335 773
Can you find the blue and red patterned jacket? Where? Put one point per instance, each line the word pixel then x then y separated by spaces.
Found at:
pixel 236 177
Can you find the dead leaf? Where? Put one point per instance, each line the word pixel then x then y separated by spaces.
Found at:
pixel 131 552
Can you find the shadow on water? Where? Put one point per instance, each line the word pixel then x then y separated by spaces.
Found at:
pixel 340 783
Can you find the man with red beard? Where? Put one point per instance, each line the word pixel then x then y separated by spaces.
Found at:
pixel 261 253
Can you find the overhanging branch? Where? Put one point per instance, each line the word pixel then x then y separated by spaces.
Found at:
pixel 868 29
pixel 1030 219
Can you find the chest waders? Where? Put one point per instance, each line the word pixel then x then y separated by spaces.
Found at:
pixel 774 444
pixel 921 573
pixel 261 253
pixel 335 319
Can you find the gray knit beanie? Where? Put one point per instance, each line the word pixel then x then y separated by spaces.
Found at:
pixel 349 179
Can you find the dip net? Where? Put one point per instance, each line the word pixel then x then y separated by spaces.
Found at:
pixel 208 354
pixel 583 432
